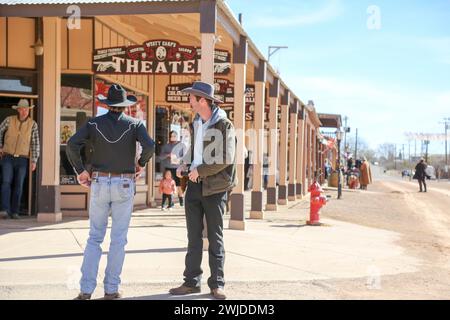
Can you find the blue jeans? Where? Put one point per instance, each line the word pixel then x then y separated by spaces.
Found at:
pixel 13 170
pixel 115 195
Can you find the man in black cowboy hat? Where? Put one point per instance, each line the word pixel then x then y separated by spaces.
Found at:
pixel 112 183
pixel 211 177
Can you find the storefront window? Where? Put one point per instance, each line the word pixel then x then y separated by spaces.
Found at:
pixel 137 111
pixel 76 109
pixel 18 83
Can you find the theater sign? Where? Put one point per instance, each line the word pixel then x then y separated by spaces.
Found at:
pixel 156 57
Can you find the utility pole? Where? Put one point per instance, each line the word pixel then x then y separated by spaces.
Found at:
pixel 427 142
pixel 345 136
pixel 446 124
pixel 356 145
pixel 446 154
pixel 409 152
pixel 415 148
pixel 395 156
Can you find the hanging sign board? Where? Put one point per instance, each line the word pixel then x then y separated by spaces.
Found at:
pixel 223 90
pixel 156 57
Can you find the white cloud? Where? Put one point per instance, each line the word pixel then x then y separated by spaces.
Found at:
pixel 330 11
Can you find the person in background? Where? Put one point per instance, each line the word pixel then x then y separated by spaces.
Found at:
pixel 167 188
pixel 170 156
pixel 366 174
pixel 19 144
pixel 327 168
pixel 421 175
pixel 350 163
pixel 266 170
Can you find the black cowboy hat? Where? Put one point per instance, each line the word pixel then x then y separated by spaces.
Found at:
pixel 117 97
pixel 202 89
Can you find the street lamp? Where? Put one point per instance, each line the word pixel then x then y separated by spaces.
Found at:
pixel 272 50
pixel 338 138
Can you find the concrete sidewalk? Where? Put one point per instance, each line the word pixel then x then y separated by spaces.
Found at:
pixel 40 261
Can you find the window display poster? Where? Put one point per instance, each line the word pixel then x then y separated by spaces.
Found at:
pixel 68 129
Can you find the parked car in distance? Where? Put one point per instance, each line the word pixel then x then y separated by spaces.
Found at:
pixel 430 172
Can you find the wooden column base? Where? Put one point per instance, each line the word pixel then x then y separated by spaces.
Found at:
pixel 236 225
pixel 258 215
pixel 49 217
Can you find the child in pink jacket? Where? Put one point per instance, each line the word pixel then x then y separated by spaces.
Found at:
pixel 167 188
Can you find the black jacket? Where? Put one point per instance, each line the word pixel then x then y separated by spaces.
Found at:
pixel 113 137
pixel 420 170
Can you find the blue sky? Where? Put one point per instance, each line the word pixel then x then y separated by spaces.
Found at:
pixel 387 80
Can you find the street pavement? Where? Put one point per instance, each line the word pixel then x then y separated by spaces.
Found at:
pixel 279 257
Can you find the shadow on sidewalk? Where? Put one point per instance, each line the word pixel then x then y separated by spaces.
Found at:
pixel 5 228
pixel 68 255
pixel 289 226
pixel 167 296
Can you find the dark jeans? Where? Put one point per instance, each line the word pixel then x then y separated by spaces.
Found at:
pixel 169 200
pixel 14 171
pixel 422 182
pixel 213 207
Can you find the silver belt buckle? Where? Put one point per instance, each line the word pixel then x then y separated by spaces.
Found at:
pixel 16 156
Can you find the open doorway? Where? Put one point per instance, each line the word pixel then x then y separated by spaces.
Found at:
pixel 28 202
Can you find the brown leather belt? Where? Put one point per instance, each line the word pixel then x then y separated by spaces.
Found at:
pixel 98 174
pixel 14 155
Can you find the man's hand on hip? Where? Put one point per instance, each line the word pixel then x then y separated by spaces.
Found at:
pixel 180 169
pixel 193 175
pixel 84 179
pixel 139 171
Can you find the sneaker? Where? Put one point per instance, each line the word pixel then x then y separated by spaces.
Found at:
pixel 15 216
pixel 112 296
pixel 4 215
pixel 83 296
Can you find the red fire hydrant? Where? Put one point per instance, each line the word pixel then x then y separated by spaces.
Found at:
pixel 316 203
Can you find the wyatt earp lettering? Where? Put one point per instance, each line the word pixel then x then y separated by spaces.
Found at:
pixel 156 57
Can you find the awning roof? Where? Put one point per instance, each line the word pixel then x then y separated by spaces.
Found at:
pixel 39 8
pixel 330 120
pixel 19 2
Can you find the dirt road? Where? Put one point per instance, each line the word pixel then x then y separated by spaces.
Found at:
pixel 422 219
